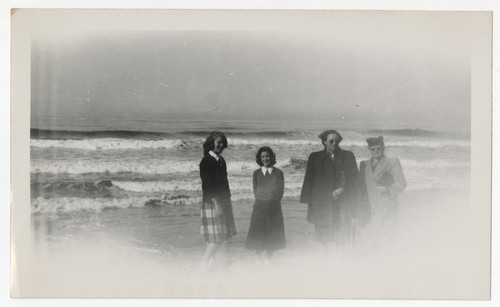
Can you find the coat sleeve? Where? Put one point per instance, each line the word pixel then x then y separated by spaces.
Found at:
pixel 208 182
pixel 399 184
pixel 254 183
pixel 352 173
pixel 281 185
pixel 362 167
pixel 364 209
pixel 361 179
pixel 306 193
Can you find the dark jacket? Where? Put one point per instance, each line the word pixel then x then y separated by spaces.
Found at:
pixel 323 176
pixel 214 181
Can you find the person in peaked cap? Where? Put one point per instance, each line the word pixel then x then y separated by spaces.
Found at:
pixel 381 182
pixel 330 189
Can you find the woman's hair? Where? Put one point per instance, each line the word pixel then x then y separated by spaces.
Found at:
pixel 324 135
pixel 271 153
pixel 209 142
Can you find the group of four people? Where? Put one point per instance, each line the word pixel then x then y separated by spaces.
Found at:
pixel 340 198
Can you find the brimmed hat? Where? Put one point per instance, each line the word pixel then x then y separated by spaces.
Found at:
pixel 378 141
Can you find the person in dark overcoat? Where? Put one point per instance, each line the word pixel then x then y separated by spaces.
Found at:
pixel 330 189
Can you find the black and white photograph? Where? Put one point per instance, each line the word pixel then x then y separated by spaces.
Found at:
pixel 251 154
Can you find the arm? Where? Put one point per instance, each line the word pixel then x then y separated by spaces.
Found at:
pixel 306 193
pixel 350 173
pixel 254 183
pixel 352 169
pixel 207 175
pixel 281 185
pixel 399 184
pixel 361 180
pixel 363 200
pixel 208 184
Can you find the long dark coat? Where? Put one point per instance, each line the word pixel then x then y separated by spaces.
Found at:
pixel 323 176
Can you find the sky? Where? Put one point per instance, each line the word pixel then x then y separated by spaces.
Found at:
pixel 401 67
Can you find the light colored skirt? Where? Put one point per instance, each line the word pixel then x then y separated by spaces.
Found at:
pixel 217 229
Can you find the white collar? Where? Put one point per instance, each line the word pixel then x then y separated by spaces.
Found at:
pixel 213 154
pixel 270 170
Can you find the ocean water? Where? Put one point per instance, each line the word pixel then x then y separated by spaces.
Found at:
pixel 136 183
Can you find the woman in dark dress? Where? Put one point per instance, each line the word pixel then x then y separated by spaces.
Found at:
pixel 267 230
pixel 217 219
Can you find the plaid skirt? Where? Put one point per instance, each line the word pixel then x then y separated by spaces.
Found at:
pixel 217 229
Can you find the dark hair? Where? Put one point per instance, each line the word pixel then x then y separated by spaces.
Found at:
pixel 209 142
pixel 270 151
pixel 323 135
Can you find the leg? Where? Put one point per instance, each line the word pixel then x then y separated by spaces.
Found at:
pixel 353 233
pixel 258 257
pixel 326 246
pixel 228 257
pixel 207 260
pixel 269 256
pixel 322 235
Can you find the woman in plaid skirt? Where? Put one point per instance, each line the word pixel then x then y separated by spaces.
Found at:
pixel 217 220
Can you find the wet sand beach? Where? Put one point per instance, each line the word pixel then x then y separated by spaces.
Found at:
pixel 158 254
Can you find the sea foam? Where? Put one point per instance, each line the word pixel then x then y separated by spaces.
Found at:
pixel 139 144
pixel 237 184
pixel 109 144
pixel 164 166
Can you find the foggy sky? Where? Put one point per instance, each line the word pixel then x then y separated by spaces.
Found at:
pixel 378 73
